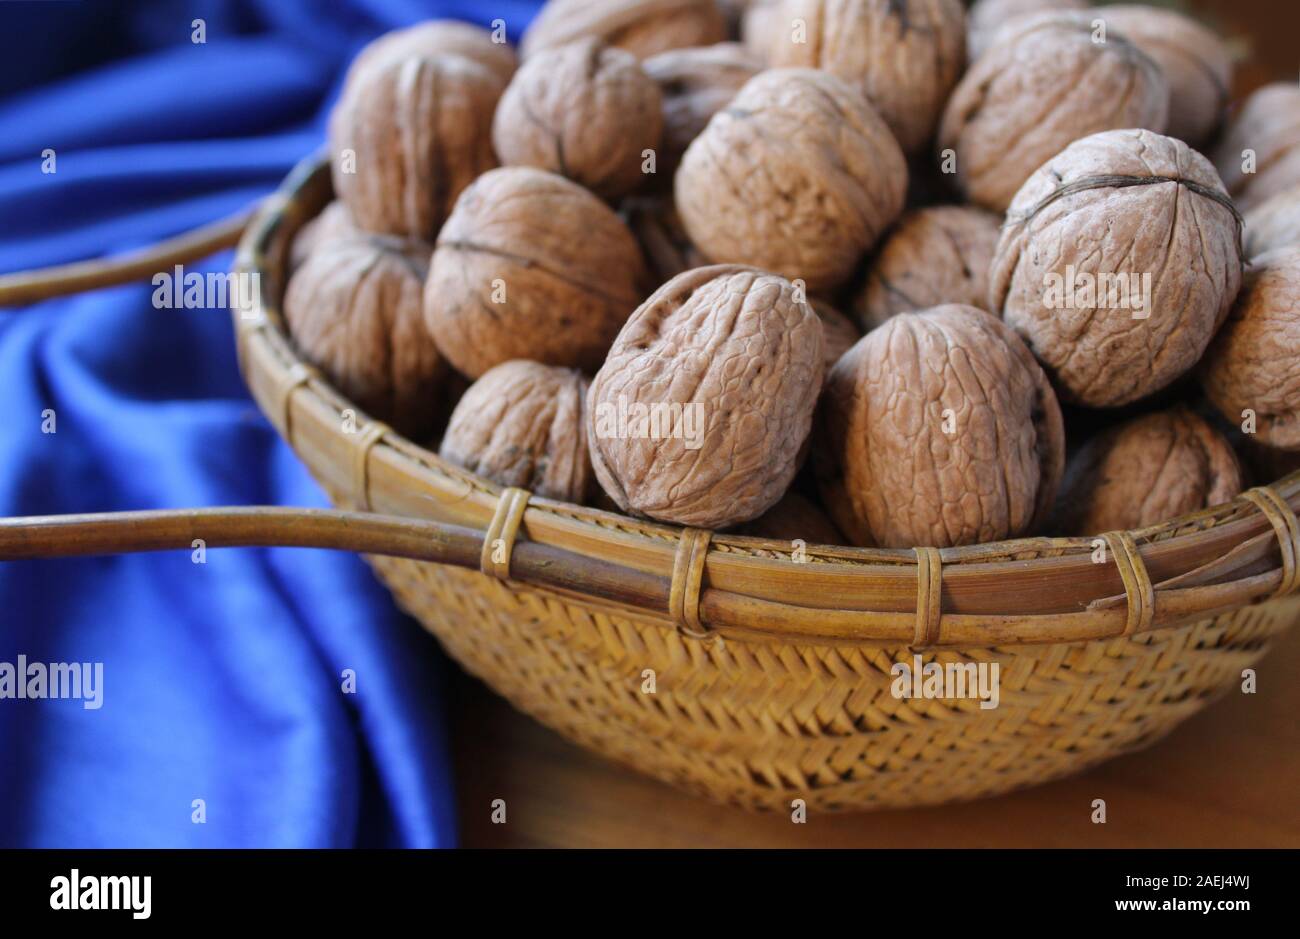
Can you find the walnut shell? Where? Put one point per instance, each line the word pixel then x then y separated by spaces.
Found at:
pixel 936 255
pixel 663 240
pixel 696 84
pixel 1088 215
pixel 419 132
pixel 334 222
pixel 1252 363
pixel 1038 90
pixel 531 265
pixel 1196 64
pixel 584 110
pixel 354 310
pixel 794 518
pixel 757 25
pixel 642 27
pixel 904 55
pixel 986 18
pixel 522 424
pixel 1268 126
pixel 743 358
pixel 1147 471
pixel 434 38
pixel 1267 464
pixel 798 176
pixel 1274 223
pixel 939 429
pixel 839 333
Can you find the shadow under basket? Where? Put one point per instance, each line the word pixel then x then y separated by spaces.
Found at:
pixel 757 672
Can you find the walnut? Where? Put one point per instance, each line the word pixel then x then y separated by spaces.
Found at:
pixel 1251 372
pixel 757 25
pixel 936 255
pixel 1268 464
pixel 987 17
pixel 696 84
pixel 839 333
pixel 794 518
pixel 334 222
pixel 700 412
pixel 1146 471
pixel 642 27
pixel 407 137
pixel 666 246
pixel 1038 90
pixel 1119 260
pixel 798 176
pixel 1274 223
pixel 938 429
pixel 584 110
pixel 522 424
pixel 670 252
pixel 354 310
pixel 1259 154
pixel 904 55
pixel 435 38
pixel 1196 64
pixel 531 265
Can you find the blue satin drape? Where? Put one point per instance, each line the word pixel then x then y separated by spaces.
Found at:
pixel 222 682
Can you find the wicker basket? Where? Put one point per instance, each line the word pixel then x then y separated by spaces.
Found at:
pixel 772 670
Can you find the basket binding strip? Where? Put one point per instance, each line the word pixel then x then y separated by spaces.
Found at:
pixel 795 699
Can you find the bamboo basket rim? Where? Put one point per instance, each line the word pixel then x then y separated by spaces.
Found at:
pixel 716 585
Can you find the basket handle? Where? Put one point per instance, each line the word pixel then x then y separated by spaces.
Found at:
pixel 23 287
pixel 61 536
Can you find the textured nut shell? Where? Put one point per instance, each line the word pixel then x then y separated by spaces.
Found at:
pixel 936 255
pixel 1100 355
pixel 696 84
pixel 669 252
pixel 436 38
pixel 570 269
pixel 757 25
pixel 798 176
pixel 1269 125
pixel 1147 471
pixel 642 27
pixel 522 424
pixel 586 111
pixel 354 310
pixel 1274 223
pixel 658 229
pixel 893 478
pixel 839 334
pixel 1034 93
pixel 1252 363
pixel 736 342
pixel 1196 64
pixel 794 518
pixel 334 222
pixel 904 55
pixel 421 132
pixel 986 18
pixel 1268 464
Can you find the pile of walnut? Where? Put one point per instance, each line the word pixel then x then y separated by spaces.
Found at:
pixel 852 271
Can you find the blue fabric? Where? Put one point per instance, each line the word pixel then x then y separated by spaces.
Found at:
pixel 222 681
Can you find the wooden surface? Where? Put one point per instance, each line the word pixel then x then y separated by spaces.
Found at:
pixel 1229 777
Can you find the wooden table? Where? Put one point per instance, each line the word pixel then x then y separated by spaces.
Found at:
pixel 1229 777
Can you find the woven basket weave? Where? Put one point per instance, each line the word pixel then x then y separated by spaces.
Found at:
pixel 772 670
